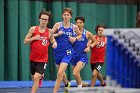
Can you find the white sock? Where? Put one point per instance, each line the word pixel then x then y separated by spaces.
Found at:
pixel 80 86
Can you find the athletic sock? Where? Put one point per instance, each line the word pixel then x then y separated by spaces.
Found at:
pixel 79 86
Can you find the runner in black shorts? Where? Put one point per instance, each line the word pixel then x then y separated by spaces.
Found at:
pixel 37 67
pixel 97 57
pixel 97 66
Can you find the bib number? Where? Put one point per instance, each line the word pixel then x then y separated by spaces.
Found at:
pixel 68 52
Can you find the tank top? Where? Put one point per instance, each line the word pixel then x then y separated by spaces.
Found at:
pixel 80 45
pixel 39 48
pixel 98 51
pixel 63 42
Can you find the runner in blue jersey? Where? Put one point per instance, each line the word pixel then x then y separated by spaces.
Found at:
pixel 80 49
pixel 63 32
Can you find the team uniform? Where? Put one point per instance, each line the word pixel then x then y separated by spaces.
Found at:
pixel 64 50
pixel 39 51
pixel 98 54
pixel 79 47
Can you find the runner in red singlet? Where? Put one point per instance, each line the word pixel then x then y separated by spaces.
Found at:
pixel 38 37
pixel 98 55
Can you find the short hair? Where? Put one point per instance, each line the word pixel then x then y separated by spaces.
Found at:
pixel 69 10
pixel 44 12
pixel 80 18
pixel 98 26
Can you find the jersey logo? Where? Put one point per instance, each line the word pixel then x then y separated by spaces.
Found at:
pixel 100 44
pixel 68 33
pixel 44 41
pixel 82 39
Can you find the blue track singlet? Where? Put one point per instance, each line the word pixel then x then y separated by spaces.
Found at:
pixel 64 50
pixel 79 47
